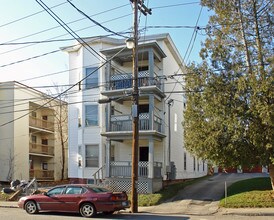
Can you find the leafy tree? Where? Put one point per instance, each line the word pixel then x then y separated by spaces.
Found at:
pixel 229 118
pixel 61 125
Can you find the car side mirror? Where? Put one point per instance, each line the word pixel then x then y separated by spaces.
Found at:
pixel 45 193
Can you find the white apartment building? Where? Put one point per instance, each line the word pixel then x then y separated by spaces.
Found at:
pixel 30 142
pixel 100 135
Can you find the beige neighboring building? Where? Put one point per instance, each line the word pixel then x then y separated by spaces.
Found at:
pixel 30 141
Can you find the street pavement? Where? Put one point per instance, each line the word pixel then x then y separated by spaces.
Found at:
pixel 201 199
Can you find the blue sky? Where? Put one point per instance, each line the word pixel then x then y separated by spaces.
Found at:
pixel 25 21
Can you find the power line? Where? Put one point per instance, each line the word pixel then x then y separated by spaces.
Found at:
pixel 28 16
pixel 35 42
pixel 95 22
pixel 62 35
pixel 175 5
pixel 194 34
pixel 65 91
pixel 175 27
pixel 71 22
pixel 30 58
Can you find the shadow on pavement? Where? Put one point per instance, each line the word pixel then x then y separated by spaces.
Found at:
pixel 118 216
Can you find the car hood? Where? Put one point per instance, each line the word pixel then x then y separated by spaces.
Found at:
pixel 37 196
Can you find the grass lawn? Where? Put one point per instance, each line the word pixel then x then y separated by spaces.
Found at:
pixel 256 192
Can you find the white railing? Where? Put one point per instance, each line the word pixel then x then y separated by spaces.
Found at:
pixel 124 123
pixel 123 169
pixel 124 81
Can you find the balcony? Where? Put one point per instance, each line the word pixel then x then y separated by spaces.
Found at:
pixel 41 149
pixel 120 82
pixel 121 127
pixel 42 174
pixel 42 124
pixel 124 123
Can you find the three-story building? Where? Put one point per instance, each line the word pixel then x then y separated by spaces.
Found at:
pixel 30 140
pixel 100 121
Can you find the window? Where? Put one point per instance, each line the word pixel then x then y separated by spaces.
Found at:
pixel 45 117
pixel 33 114
pixel 92 156
pixel 79 119
pixel 56 191
pixel 194 163
pixel 74 190
pixel 44 141
pixel 91 115
pixel 92 77
pixel 112 155
pixel 184 160
pixel 79 156
pixel 142 68
pixel 33 139
pixel 31 164
pixel 44 166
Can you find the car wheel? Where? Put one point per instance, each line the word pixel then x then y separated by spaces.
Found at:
pixel 31 207
pixel 87 210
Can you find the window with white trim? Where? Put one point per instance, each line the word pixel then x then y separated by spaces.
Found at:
pixel 91 115
pixel 92 156
pixel 91 77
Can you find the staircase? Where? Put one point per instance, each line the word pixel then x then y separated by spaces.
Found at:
pixel 99 177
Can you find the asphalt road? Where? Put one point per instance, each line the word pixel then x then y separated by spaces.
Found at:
pixel 212 189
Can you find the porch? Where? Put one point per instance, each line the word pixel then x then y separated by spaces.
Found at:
pixel 41 149
pixel 41 175
pixel 119 178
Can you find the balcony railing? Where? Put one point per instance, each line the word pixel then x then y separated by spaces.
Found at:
pixel 39 123
pixel 41 149
pixel 124 123
pixel 42 174
pixel 123 169
pixel 124 81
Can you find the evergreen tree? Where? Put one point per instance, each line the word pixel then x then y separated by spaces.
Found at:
pixel 229 118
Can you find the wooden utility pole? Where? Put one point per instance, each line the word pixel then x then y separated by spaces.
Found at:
pixel 137 4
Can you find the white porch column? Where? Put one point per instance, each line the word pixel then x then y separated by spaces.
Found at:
pixel 108 144
pixel 150 158
pixel 151 112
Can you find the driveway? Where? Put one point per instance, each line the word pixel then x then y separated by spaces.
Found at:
pixel 201 198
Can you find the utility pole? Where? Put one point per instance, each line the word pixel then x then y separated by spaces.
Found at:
pixel 137 4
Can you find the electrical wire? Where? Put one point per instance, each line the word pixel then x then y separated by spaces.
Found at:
pixel 65 91
pixel 175 5
pixel 95 22
pixel 28 16
pixel 30 58
pixel 193 37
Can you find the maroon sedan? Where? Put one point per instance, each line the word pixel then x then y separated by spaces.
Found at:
pixel 87 200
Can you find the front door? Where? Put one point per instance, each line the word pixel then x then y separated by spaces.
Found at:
pixel 143 154
pixel 143 161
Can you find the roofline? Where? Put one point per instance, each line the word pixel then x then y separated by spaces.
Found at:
pixel 119 42
pixel 30 88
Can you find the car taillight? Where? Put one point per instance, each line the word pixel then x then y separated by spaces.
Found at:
pixel 114 198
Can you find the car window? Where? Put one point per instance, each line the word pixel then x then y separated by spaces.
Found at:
pixel 98 189
pixel 74 190
pixel 56 191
